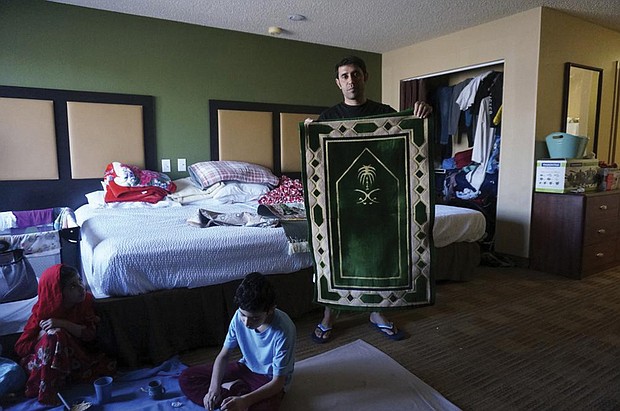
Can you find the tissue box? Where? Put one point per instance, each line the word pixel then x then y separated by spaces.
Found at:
pixel 566 175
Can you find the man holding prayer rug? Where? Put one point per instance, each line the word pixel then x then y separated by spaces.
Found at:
pixel 342 266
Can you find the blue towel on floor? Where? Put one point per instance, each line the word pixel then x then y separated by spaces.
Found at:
pixel 127 393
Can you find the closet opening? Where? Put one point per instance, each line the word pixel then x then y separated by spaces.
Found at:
pixel 467 113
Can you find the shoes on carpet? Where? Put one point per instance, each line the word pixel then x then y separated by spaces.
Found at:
pixel 491 259
pixel 321 334
pixel 389 330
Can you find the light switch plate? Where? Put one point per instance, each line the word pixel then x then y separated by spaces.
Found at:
pixel 165 165
pixel 181 166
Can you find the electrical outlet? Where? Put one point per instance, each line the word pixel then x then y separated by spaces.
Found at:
pixel 165 165
pixel 181 164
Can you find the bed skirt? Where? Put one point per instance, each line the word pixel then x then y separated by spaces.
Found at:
pixel 457 261
pixel 150 328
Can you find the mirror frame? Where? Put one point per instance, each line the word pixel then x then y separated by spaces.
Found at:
pixel 567 70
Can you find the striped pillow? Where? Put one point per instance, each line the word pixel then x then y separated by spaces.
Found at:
pixel 207 173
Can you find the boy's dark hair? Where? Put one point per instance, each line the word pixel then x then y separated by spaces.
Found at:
pixel 66 274
pixel 255 294
pixel 351 60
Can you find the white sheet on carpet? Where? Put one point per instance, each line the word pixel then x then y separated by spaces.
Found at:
pixel 130 251
pixel 358 376
pixel 128 392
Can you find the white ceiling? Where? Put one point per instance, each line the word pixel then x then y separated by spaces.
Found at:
pixel 369 25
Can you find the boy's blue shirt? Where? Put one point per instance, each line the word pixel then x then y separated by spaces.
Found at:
pixel 271 352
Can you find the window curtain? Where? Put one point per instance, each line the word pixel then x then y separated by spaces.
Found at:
pixel 412 91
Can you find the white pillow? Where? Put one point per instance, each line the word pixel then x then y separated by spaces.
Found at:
pixel 185 184
pixel 236 192
pixel 187 192
pixel 96 198
pixel 224 192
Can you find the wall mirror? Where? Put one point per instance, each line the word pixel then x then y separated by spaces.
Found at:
pixel 582 102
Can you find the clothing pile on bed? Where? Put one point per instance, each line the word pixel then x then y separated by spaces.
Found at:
pixel 224 181
pixel 289 191
pixel 115 264
pixel 280 202
pixel 286 203
pixel 124 182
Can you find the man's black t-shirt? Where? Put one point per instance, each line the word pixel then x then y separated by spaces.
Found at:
pixel 342 111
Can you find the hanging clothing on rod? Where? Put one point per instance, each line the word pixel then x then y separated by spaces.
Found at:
pixel 449 110
pixel 468 95
pixel 483 142
pixel 490 84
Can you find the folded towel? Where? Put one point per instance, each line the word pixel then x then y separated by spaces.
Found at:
pixel 149 194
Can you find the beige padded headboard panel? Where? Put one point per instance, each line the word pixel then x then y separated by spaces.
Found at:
pixel 27 140
pixel 102 133
pixel 290 144
pixel 246 136
pixel 261 133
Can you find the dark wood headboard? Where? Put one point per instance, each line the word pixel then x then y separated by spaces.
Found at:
pixel 62 189
pixel 65 190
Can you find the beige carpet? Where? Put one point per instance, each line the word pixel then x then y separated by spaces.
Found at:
pixel 509 339
pixel 357 376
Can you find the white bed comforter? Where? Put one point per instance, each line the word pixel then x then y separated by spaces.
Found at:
pixel 455 224
pixel 131 251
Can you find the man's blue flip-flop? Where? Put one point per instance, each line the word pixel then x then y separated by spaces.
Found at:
pixel 389 331
pixel 321 334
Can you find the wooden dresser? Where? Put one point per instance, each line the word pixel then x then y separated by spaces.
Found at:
pixel 575 235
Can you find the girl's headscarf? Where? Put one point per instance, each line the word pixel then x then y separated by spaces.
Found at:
pixel 49 305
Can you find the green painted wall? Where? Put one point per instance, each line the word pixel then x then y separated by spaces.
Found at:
pixel 50 45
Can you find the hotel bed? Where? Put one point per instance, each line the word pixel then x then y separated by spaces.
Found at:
pixel 132 251
pixel 178 280
pixel 164 286
pixel 141 249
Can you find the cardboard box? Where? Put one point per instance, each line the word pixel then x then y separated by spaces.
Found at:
pixel 566 175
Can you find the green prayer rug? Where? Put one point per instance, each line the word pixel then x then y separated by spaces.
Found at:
pixel 368 193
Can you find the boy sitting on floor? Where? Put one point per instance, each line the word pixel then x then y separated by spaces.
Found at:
pixel 266 337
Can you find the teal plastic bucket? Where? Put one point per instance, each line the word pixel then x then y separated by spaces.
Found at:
pixel 564 145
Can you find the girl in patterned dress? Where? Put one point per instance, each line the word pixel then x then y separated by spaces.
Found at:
pixel 56 346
